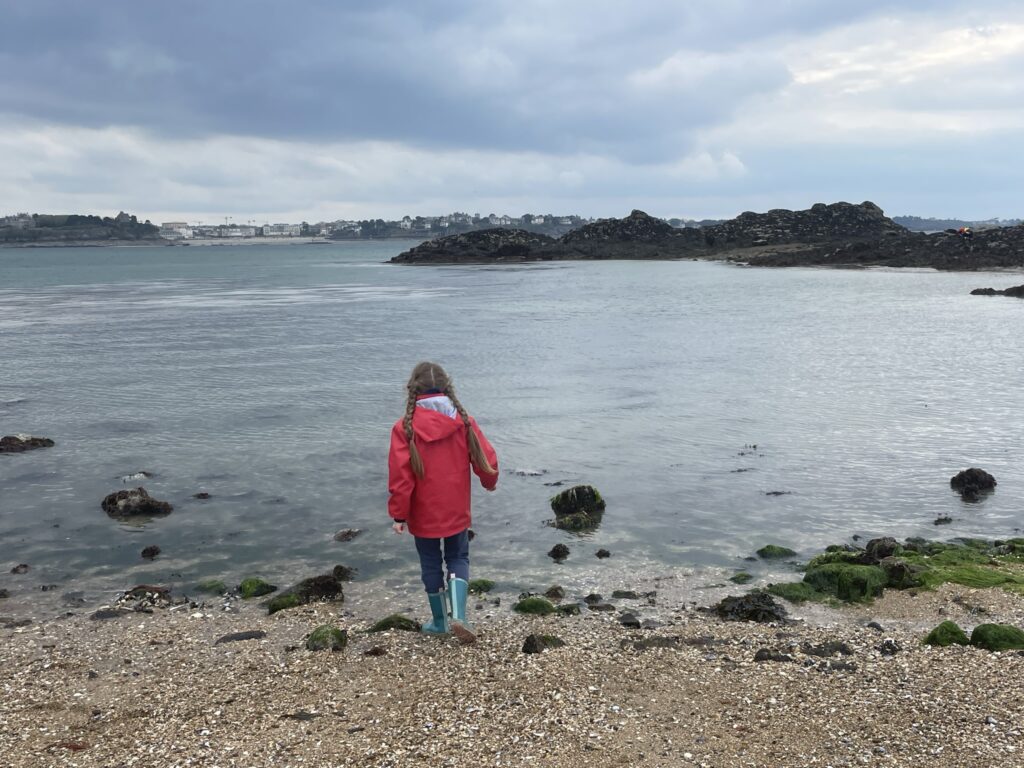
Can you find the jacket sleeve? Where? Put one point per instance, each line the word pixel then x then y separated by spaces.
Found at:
pixel 487 480
pixel 401 478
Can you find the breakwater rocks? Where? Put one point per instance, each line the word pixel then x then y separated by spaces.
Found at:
pixel 1016 291
pixel 840 234
pixel 134 502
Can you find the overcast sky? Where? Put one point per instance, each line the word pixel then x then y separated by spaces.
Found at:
pixel 332 109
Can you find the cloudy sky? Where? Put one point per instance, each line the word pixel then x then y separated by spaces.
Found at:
pixel 332 109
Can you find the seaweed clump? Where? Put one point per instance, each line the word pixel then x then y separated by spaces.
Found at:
pixel 578 509
pixel 946 634
pixel 997 637
pixel 536 606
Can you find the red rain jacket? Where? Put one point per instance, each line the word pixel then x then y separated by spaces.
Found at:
pixel 436 505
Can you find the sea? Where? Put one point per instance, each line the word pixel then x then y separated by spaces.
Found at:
pixel 717 408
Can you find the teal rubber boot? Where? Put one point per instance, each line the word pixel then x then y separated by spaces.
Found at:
pixel 458 594
pixel 439 613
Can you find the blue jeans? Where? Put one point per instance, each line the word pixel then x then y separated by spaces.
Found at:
pixel 456 556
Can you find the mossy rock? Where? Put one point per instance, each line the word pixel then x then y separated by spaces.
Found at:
pixel 534 606
pixel 255 587
pixel 480 586
pixel 946 634
pixel 997 637
pixel 571 609
pixel 327 638
pixel 741 578
pixel 212 587
pixel 282 602
pixel 847 582
pixel 396 621
pixel 539 643
pixel 775 552
pixel 578 509
pixel 797 592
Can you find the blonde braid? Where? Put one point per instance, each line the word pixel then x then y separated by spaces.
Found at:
pixel 414 454
pixel 476 451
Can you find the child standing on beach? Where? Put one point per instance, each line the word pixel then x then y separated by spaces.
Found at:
pixel 433 448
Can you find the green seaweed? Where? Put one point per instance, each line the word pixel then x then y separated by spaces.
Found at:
pixel 281 602
pixel 480 586
pixel 798 592
pixel 741 578
pixel 255 587
pixel 325 637
pixel 578 509
pixel 570 609
pixel 946 634
pixel 997 637
pixel 847 582
pixel 775 552
pixel 536 606
pixel 212 587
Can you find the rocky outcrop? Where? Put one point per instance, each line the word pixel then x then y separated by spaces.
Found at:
pixel 22 443
pixel 486 245
pixel 840 234
pixel 134 502
pixel 1016 291
pixel 972 482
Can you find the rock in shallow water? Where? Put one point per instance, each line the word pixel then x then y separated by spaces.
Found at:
pixel 134 502
pixel 578 509
pixel 972 482
pixel 22 443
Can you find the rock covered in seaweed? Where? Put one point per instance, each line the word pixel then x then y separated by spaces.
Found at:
pixel 972 482
pixel 325 587
pixel 134 502
pixel 946 634
pixel 22 443
pixel 579 508
pixel 327 638
pixel 756 606
pixel 473 247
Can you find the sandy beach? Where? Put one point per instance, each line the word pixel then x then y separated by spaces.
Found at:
pixel 158 689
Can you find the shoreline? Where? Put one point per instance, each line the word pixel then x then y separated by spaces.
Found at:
pixel 158 690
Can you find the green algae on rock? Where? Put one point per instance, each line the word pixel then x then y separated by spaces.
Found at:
pixel 798 592
pixel 327 638
pixel 946 634
pixel 255 587
pixel 997 637
pixel 847 582
pixel 480 586
pixel 741 578
pixel 579 508
pixel 536 606
pixel 396 621
pixel 775 552
pixel 212 586
pixel 282 602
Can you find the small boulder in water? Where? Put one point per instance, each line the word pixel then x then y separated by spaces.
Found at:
pixel 559 552
pixel 151 552
pixel 579 508
pixel 972 482
pixel 347 534
pixel 134 502
pixel 22 443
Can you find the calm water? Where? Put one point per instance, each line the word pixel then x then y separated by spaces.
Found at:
pixel 270 376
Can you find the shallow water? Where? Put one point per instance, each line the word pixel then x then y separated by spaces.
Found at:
pixel 270 376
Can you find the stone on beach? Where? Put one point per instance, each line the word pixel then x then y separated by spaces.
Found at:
pixel 134 502
pixel 540 643
pixel 946 634
pixel 755 606
pixel 255 587
pixel 325 587
pixel 396 621
pixel 327 638
pixel 997 637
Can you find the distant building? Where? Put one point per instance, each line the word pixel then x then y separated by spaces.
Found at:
pixel 282 230
pixel 18 221
pixel 538 219
pixel 405 223
pixel 176 230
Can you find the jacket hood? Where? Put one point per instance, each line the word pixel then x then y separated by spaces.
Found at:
pixel 431 426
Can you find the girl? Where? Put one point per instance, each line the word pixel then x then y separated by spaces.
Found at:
pixel 433 448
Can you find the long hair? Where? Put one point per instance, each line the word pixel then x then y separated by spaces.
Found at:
pixel 425 377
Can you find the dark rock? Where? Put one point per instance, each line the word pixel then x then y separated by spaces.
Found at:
pixel 629 620
pixel 344 573
pixel 601 607
pixel 314 589
pixel 347 534
pixel 579 508
pixel 134 502
pixel 398 622
pixel 571 609
pixel 625 594
pixel 20 569
pixel 376 651
pixel 777 493
pixel 539 643
pixel 234 637
pixel 201 495
pixel 4 594
pixel 877 550
pixel 1016 291
pixel 151 551
pixel 302 716
pixel 755 606
pixel 487 245
pixel 889 647
pixel 971 483
pixel 943 520
pixel 603 553
pixel 559 552
pixel 327 638
pixel 593 599
pixel 47 587
pixel 875 626
pixel 766 654
pixel 555 593
pixel 827 648
pixel 22 443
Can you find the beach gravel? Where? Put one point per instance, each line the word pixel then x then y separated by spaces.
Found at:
pixel 157 690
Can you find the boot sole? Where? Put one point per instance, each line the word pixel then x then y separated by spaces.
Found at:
pixel 464 635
